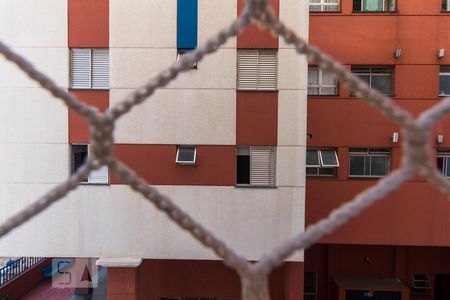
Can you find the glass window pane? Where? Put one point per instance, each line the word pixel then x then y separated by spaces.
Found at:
pixel 365 78
pixel 312 171
pixel 440 164
pixel 328 91
pixel 327 171
pixel 447 167
pixel 329 158
pixel 313 76
pixel 372 5
pixel 379 165
pixel 356 165
pixel 383 84
pixel 243 169
pixel 312 157
pixel 186 154
pixel 327 78
pixel 444 85
pixel 313 90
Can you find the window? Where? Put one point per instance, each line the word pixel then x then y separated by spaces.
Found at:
pixel 374 5
pixel 310 286
pixel 89 68
pixel 379 78
pixel 256 166
pixel 321 82
pixel 445 5
pixel 321 162
pixel 186 155
pixel 369 162
pixel 421 285
pixel 443 162
pixel 323 5
pixel 180 53
pixel 444 81
pixel 79 155
pixel 187 20
pixel 257 69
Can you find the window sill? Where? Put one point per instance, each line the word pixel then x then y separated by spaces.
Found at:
pixel 444 95
pixel 257 90
pixel 316 12
pixel 95 183
pixel 321 176
pixel 324 96
pixel 248 186
pixel 366 176
pixel 384 12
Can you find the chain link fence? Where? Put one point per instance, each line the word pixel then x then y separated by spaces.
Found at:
pixel 417 156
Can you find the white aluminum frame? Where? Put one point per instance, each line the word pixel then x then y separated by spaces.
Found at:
pixel 321 85
pixel 182 162
pixel 444 74
pixel 322 4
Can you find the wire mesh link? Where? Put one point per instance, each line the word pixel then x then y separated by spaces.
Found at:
pixel 417 157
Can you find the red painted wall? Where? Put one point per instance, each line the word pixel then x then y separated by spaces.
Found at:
pixel 199 278
pixel 216 165
pixel 389 261
pixel 78 127
pixel 417 214
pixel 257 118
pixel 88 23
pixel 254 36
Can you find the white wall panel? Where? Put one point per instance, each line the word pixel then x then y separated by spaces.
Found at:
pixel 53 62
pixel 34 23
pixel 292 70
pixel 290 166
pixel 31 115
pixel 213 16
pixel 175 116
pixel 143 23
pixel 134 67
pixel 292 107
pixel 34 163
pixel 115 222
pixel 295 14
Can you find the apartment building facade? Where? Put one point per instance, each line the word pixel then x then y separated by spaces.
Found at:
pixel 399 248
pixel 226 141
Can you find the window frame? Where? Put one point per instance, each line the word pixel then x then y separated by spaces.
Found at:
pixel 372 74
pixel 417 290
pixel 445 155
pixel 369 153
pixel 386 7
pixel 87 180
pixel 443 74
pixel 257 68
pixel 445 6
pixel 272 163
pixel 182 162
pixel 324 4
pixel 91 69
pixel 321 85
pixel 321 165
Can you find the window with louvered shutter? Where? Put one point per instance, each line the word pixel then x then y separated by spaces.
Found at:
pixel 256 166
pixel 257 69
pixel 79 154
pixel 89 69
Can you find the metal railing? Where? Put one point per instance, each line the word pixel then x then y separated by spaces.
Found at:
pixel 17 267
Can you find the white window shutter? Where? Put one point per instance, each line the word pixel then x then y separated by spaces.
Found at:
pixel 267 70
pixel 247 75
pixel 262 166
pixel 99 176
pixel 80 68
pixel 100 68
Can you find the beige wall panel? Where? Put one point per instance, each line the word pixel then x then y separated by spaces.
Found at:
pixel 179 117
pixel 291 166
pixel 116 222
pixel 31 115
pixel 41 23
pixel 295 14
pixel 143 23
pixel 292 107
